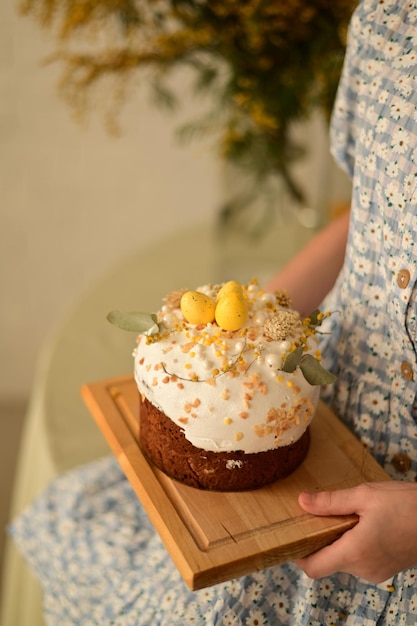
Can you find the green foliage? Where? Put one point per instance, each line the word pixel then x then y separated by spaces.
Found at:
pixel 262 64
pixel 313 372
pixel 134 321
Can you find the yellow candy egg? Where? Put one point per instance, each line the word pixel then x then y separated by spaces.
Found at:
pixel 230 287
pixel 231 311
pixel 197 308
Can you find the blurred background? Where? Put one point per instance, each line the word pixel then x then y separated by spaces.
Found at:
pixel 76 200
pixel 73 201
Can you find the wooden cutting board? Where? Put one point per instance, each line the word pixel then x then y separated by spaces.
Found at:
pixel 216 536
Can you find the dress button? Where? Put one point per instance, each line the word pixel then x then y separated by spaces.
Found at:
pixel 403 278
pixel 406 371
pixel 401 462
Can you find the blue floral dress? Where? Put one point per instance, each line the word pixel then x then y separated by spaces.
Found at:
pixel 87 537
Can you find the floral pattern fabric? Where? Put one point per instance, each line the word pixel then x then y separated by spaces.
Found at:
pixel 101 563
pixel 87 537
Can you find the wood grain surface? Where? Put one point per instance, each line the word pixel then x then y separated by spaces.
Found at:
pixel 216 536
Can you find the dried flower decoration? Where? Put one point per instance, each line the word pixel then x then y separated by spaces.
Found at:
pixel 281 325
pixel 283 298
pixel 173 299
pixel 312 370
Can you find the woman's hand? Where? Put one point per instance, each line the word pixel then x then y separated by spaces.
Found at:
pixel 383 542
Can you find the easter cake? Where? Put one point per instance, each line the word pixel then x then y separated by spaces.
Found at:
pixel 229 379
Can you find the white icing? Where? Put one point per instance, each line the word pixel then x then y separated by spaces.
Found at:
pixel 190 370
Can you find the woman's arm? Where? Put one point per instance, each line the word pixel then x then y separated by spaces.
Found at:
pixel 310 275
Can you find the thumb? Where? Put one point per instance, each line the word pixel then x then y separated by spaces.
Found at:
pixel 339 502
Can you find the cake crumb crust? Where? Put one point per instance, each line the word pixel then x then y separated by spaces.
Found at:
pixel 164 443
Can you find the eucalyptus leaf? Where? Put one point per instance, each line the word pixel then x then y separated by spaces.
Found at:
pixel 134 321
pixel 293 359
pixel 314 318
pixel 314 373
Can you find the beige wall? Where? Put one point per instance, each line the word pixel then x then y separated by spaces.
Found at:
pixel 73 200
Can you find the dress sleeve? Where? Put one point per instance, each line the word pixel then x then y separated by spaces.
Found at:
pixel 345 123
